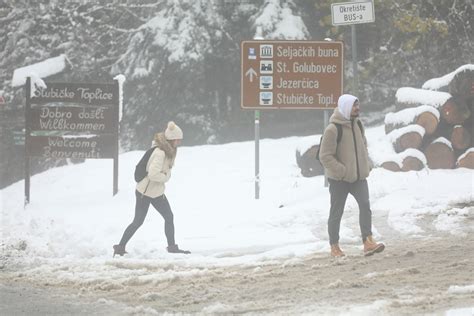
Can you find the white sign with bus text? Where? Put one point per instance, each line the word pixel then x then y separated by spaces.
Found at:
pixel 352 13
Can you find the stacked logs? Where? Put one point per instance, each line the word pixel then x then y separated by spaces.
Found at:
pixel 439 134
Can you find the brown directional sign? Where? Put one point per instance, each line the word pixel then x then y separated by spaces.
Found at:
pixel 291 74
pixel 93 119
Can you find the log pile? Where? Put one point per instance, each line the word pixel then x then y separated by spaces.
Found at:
pixel 441 130
pixel 410 159
pixel 433 128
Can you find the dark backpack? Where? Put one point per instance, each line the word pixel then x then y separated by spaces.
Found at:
pixel 339 135
pixel 140 169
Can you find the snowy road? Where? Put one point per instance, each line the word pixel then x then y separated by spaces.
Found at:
pixel 29 299
pixel 413 276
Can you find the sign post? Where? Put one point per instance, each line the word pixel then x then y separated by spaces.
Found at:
pixel 352 13
pixel 72 120
pixel 289 75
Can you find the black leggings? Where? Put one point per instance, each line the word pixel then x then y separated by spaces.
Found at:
pixel 141 209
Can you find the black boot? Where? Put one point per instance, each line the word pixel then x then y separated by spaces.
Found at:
pixel 119 250
pixel 175 249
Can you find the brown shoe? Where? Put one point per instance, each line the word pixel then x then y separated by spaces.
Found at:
pixel 371 247
pixel 336 251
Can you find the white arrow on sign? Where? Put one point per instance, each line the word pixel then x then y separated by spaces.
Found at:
pixel 251 73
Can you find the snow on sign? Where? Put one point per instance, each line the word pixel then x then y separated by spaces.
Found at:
pixel 291 74
pixel 352 13
pixel 46 68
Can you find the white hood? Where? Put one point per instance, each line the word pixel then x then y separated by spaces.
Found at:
pixel 344 105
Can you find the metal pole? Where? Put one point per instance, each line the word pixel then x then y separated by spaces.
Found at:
pixel 27 140
pixel 257 154
pixel 257 37
pixel 326 123
pixel 354 59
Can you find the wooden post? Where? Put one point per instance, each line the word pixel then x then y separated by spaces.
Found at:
pixel 116 141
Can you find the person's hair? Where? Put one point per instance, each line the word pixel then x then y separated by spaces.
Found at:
pixel 164 144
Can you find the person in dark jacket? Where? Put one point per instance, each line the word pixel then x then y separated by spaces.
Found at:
pixel 347 167
pixel 151 189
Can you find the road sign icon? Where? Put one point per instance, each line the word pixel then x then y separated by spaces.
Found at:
pixel 266 51
pixel 252 53
pixel 266 82
pixel 266 66
pixel 266 98
pixel 251 73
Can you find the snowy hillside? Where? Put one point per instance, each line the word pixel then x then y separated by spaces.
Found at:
pixel 73 214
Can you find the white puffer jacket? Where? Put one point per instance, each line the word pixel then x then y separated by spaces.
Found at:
pixel 159 170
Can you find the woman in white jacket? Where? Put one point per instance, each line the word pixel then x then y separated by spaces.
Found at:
pixel 151 189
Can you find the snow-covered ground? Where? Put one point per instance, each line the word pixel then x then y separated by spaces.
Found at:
pixel 65 235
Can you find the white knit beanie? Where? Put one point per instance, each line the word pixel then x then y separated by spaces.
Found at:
pixel 344 105
pixel 173 131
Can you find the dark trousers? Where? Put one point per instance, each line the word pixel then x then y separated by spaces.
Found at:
pixel 141 209
pixel 339 191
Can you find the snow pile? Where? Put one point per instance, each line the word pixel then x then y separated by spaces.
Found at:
pixel 470 150
pixel 443 140
pixel 397 133
pixel 385 150
pixel 410 152
pixel 380 147
pixel 42 69
pixel 450 221
pixel 428 95
pixel 420 96
pixel 120 79
pixel 407 116
pixel 36 83
pixel 438 83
